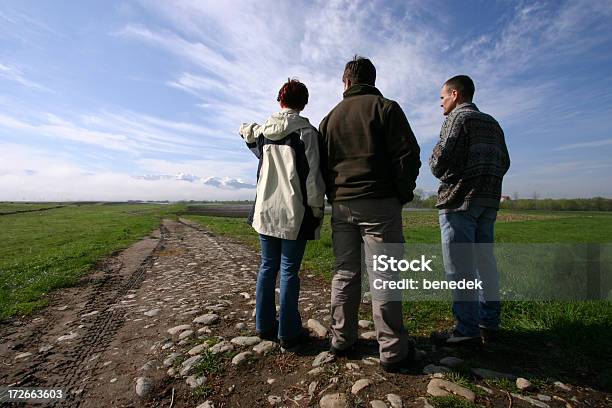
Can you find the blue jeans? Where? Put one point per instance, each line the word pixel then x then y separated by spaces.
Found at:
pixel 284 255
pixel 467 247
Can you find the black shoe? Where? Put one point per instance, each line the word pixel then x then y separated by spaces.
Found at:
pixel 343 352
pixel 453 338
pixel 407 363
pixel 299 340
pixel 271 335
pixel 489 336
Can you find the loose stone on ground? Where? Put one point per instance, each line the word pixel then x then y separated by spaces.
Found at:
pixel 241 358
pixel 333 401
pixel 143 387
pixel 176 329
pixel 207 319
pixel 360 385
pixel 440 388
pixel 395 401
pixel 245 341
pixel 323 358
pixel 317 327
pixel 265 347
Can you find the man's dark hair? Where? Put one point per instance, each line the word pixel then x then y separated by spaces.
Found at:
pixel 293 94
pixel 464 86
pixel 360 71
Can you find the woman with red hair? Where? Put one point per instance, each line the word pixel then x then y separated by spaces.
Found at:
pixel 288 210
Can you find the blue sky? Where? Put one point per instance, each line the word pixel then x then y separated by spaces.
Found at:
pixel 97 95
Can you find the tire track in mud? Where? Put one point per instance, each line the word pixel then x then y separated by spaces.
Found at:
pixel 79 363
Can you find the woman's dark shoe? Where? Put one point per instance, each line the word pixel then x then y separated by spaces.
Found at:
pixel 270 334
pixel 299 340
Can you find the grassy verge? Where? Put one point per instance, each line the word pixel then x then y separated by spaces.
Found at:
pixel 555 339
pixel 6 208
pixel 42 251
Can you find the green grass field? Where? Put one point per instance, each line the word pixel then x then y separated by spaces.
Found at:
pixel 557 339
pixel 6 208
pixel 51 249
pixel 45 250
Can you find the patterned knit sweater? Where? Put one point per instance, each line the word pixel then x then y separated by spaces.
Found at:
pixel 470 160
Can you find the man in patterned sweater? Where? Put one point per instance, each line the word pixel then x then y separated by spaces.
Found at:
pixel 470 160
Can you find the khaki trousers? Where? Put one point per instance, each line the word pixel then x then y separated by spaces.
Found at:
pixel 357 222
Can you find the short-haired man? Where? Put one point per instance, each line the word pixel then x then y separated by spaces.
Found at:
pixel 470 159
pixel 370 162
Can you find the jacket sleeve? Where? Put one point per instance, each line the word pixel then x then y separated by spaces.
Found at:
pixel 315 187
pixel 323 155
pixel 504 148
pixel 404 152
pixel 444 163
pixel 250 133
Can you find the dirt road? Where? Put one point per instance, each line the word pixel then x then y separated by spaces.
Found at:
pixel 169 322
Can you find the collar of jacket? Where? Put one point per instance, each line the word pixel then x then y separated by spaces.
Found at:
pixel 361 89
pixel 283 123
pixel 289 110
pixel 467 106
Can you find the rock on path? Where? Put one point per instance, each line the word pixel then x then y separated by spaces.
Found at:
pixel 176 329
pixel 333 401
pixel 360 385
pixel 323 358
pixel 245 341
pixel 143 386
pixel 440 388
pixel 395 401
pixel 317 327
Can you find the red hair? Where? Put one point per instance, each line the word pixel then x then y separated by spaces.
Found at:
pixel 293 94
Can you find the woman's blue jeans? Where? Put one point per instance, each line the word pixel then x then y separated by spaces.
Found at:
pixel 285 256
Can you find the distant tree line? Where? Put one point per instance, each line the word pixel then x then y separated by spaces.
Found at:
pixel 423 200
pixel 562 204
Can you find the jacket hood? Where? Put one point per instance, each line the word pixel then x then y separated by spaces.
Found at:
pixel 283 123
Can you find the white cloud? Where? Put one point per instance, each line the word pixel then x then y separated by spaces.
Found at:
pixel 33 174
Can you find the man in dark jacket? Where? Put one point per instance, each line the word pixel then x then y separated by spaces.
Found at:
pixel 370 162
pixel 470 159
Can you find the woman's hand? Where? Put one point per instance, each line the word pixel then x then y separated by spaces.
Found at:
pixel 248 131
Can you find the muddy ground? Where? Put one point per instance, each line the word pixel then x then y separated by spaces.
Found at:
pixel 100 339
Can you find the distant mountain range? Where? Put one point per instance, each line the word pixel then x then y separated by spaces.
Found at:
pixel 223 183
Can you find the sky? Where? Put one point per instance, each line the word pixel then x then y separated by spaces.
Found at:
pixel 142 100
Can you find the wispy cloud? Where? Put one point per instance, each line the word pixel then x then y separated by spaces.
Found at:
pixel 594 143
pixel 12 73
pixel 125 131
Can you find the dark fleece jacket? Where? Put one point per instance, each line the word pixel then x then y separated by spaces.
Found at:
pixel 367 148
